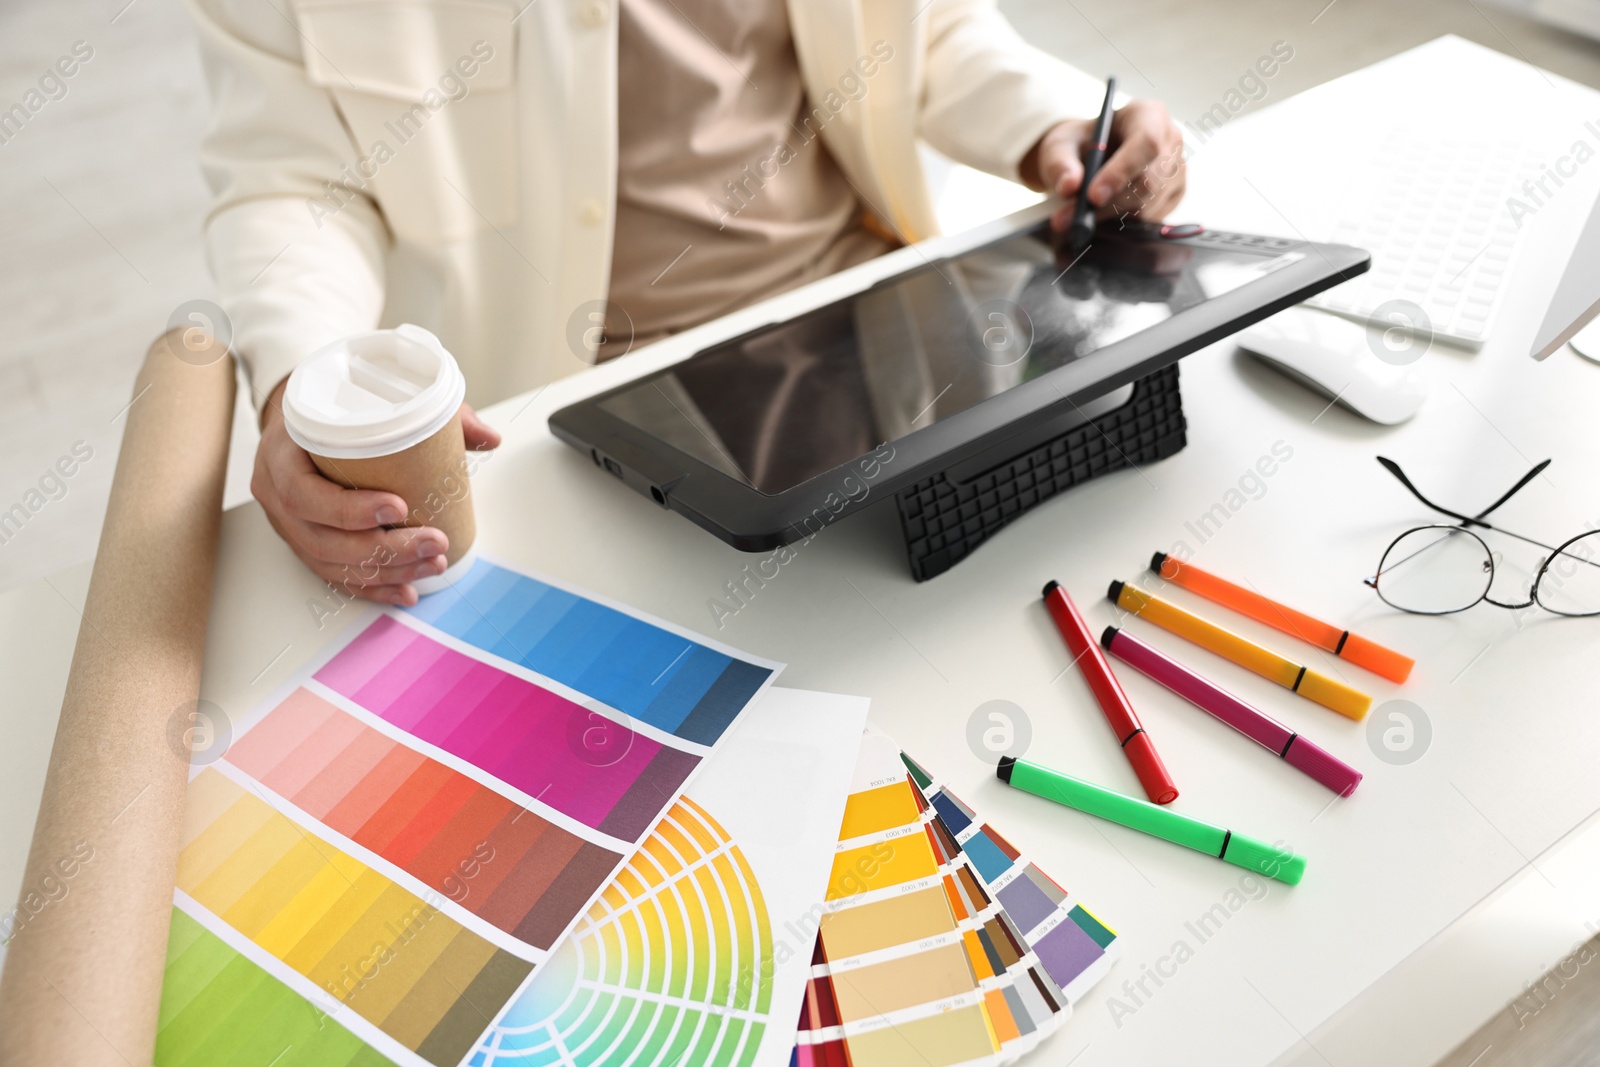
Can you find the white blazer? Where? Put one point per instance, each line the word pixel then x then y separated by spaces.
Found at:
pixel 453 162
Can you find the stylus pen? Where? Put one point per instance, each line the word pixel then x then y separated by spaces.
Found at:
pixel 1223 706
pixel 1081 230
pixel 1384 662
pixel 1158 785
pixel 1135 814
pixel 1295 677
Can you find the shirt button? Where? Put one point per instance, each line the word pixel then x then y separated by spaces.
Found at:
pixel 590 213
pixel 594 13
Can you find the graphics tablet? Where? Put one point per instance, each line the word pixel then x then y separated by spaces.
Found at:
pixel 764 437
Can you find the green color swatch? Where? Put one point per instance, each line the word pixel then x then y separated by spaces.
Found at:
pixel 920 776
pixel 218 1008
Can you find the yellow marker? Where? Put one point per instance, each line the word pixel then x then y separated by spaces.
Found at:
pixel 1293 676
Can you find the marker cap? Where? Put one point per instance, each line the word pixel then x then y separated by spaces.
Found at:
pixel 1346 700
pixel 1384 662
pixel 1258 856
pixel 1322 765
pixel 1158 784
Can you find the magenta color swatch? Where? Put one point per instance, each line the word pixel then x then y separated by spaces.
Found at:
pixel 522 734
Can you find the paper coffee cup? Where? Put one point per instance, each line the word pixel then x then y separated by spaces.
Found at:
pixel 381 410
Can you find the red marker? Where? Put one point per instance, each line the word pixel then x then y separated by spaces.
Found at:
pixel 1158 784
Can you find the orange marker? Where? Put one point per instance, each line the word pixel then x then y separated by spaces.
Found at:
pixel 1296 677
pixel 1381 661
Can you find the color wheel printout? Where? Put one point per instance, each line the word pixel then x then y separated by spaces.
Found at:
pixel 394 843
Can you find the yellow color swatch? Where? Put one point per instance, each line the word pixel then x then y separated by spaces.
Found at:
pixel 980 958
pixel 883 808
pixel 899 920
pixel 903 982
pixel 935 1041
pixel 394 958
pixel 859 870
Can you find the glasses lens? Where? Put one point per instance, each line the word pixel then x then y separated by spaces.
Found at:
pixel 1570 584
pixel 1435 570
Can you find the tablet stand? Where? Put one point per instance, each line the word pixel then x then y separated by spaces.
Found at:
pixel 946 516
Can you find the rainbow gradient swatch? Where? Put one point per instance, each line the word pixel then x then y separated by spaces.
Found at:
pixel 672 965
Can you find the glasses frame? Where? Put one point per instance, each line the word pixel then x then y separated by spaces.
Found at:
pixel 1463 524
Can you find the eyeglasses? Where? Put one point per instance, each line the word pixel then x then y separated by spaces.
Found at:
pixel 1444 568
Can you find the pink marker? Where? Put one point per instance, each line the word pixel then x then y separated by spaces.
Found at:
pixel 1221 704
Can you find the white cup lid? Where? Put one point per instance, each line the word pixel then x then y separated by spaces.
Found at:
pixel 373 394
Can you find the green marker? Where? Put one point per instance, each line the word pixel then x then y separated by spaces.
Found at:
pixel 1241 851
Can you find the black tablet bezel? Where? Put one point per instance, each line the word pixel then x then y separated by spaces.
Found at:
pixel 753 521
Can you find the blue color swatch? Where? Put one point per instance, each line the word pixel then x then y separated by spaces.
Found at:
pixel 645 671
pixel 955 820
pixel 986 856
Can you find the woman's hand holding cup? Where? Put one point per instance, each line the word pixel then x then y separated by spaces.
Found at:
pixel 353 538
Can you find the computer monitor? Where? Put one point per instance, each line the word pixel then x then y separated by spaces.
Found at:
pixel 1577 297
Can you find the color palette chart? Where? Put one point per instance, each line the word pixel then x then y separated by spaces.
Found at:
pixel 457 836
pixel 364 942
pixel 672 965
pixel 392 845
pixel 939 944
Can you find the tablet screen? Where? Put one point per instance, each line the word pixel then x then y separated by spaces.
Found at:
pixel 795 400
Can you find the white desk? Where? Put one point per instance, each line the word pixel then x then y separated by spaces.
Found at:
pixel 1512 762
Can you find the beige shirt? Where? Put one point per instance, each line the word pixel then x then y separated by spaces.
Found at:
pixel 725 193
pixel 493 225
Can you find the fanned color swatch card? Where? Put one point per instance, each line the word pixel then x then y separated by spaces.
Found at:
pixel 393 844
pixel 700 952
pixel 939 944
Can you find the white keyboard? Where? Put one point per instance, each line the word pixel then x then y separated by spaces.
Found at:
pixel 1432 211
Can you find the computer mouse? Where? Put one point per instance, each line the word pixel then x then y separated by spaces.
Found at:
pixel 1337 358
